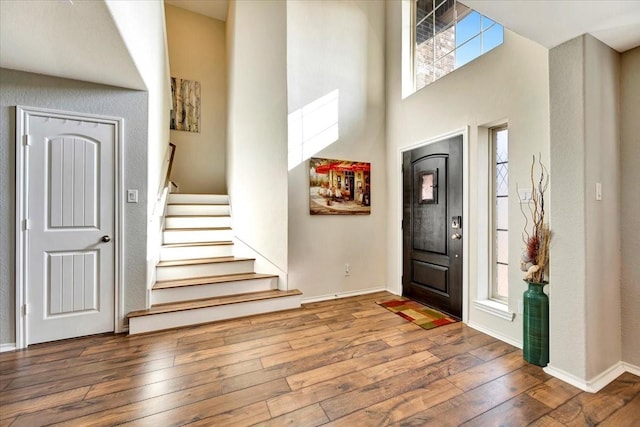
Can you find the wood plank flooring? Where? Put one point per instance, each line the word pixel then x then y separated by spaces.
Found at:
pixel 346 362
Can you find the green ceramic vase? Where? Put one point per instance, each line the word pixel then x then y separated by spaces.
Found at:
pixel 535 325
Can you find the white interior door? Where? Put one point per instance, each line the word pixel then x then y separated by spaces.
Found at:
pixel 70 254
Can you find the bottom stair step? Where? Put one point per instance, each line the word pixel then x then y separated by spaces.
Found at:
pixel 186 313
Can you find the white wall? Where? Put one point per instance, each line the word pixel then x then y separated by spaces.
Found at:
pixel 197 52
pixel 34 90
pixel 257 125
pixel 509 83
pixel 585 143
pixel 630 204
pixel 338 45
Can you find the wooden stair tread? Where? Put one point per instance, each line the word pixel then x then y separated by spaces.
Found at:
pixel 213 302
pixel 186 245
pixel 210 280
pixel 197 261
pixel 196 204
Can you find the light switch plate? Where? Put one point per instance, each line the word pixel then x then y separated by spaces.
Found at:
pixel 525 195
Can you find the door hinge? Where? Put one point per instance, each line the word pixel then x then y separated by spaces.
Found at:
pixel 26 224
pixel 25 309
pixel 26 140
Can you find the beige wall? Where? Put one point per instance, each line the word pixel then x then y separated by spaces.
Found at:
pixel 257 126
pixel 630 204
pixel 338 45
pixel 510 83
pixel 197 52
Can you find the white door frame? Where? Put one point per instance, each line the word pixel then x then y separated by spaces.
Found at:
pixel 466 220
pixel 22 186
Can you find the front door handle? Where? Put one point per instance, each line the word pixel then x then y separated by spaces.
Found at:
pixel 457 236
pixel 106 239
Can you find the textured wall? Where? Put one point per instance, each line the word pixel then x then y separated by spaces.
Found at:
pixel 630 204
pixel 197 52
pixel 602 143
pixel 35 90
pixel 338 45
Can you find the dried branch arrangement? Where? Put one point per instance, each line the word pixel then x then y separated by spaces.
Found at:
pixel 536 234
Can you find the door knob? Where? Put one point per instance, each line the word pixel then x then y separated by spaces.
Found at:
pixel 106 239
pixel 457 236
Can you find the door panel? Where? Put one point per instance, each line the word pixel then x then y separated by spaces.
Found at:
pixel 70 285
pixel 432 241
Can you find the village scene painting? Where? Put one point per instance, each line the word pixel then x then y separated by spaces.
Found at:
pixel 339 187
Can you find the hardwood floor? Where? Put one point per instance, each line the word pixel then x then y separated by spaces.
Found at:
pixel 346 362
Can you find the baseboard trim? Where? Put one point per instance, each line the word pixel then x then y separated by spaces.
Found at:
pixel 495 334
pixel 328 297
pixel 594 385
pixel 8 347
pixel 632 369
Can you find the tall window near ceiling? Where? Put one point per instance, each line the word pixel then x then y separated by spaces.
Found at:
pixel 500 145
pixel 446 35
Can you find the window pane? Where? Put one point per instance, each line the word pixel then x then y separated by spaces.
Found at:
pixel 502 213
pixel 445 65
pixel 501 289
pixel 424 63
pixel 502 149
pixel 468 28
pixel 502 247
pixel 493 37
pixel 486 23
pixel 468 52
pixel 445 42
pixel 502 179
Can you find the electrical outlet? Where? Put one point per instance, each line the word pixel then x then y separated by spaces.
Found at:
pixel 132 196
pixel 347 270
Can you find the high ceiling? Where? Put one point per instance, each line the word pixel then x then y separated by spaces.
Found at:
pixel 91 48
pixel 553 22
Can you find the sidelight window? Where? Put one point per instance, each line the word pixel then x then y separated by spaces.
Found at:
pixel 500 149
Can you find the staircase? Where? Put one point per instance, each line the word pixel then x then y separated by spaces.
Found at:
pixel 198 278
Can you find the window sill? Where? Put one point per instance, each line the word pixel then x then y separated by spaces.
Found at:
pixel 495 308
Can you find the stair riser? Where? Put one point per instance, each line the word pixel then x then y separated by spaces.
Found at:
pixel 203 270
pixel 197 222
pixel 195 252
pixel 197 199
pixel 157 322
pixel 197 210
pixel 186 293
pixel 196 236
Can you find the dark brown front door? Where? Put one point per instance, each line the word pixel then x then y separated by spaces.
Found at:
pixel 432 225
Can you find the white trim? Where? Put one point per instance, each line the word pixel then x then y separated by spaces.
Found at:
pixel 328 297
pixel 22 186
pixel 8 347
pixel 467 223
pixel 591 386
pixel 633 369
pixel 494 334
pixel 495 308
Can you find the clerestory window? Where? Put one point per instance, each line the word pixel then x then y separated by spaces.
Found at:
pixel 447 35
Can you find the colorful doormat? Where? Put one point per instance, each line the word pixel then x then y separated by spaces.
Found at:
pixel 417 313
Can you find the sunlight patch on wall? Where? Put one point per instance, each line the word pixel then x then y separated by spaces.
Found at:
pixel 313 128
